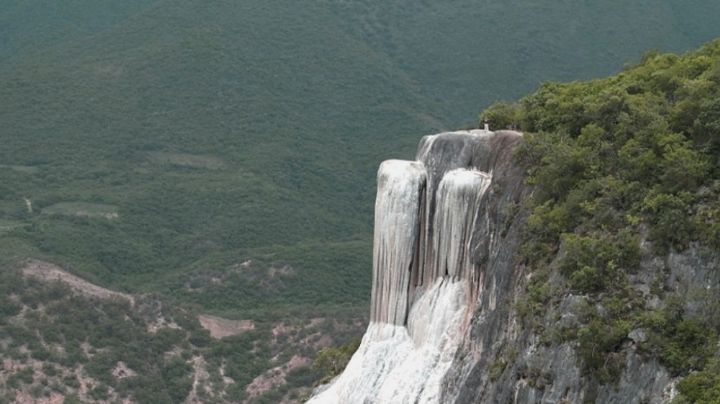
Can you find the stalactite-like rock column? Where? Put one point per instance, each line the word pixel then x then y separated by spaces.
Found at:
pixel 458 203
pixel 401 186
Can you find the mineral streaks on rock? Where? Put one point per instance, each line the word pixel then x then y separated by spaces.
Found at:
pixel 401 185
pixel 425 268
pixel 441 154
pixel 458 203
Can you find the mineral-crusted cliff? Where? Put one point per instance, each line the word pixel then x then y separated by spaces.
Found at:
pixel 447 278
pixel 537 371
pixel 439 226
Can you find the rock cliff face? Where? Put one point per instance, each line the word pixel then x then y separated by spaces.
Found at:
pixel 541 372
pixel 439 229
pixel 446 278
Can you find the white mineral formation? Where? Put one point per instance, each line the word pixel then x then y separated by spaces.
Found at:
pixel 458 203
pixel 398 364
pixel 425 215
pixel 397 221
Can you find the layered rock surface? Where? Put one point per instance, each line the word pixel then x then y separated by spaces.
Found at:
pixel 434 224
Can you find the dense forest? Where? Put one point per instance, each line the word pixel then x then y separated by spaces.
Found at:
pixel 613 161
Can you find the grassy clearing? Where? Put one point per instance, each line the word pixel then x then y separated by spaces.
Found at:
pixel 10 225
pixel 187 160
pixel 83 209
pixel 21 169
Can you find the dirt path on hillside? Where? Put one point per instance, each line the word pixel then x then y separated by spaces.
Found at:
pixel 46 271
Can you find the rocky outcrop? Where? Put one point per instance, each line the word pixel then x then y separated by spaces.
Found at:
pixel 447 278
pixel 437 227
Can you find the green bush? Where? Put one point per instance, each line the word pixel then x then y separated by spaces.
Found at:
pixel 701 387
pixel 682 344
pixel 502 116
pixel 331 361
pixel 177 375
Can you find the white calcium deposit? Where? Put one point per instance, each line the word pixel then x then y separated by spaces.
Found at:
pixel 397 364
pixel 397 211
pixel 458 203
pixel 425 213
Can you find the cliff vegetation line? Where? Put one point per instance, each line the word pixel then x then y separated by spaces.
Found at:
pixel 621 164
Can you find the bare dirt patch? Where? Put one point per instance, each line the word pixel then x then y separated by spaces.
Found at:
pixel 274 377
pixel 48 272
pixel 221 327
pixel 122 371
pixel 200 376
pixel 159 323
pixel 24 397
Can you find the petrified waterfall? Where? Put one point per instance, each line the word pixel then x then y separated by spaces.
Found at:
pixel 401 185
pixel 433 231
pixel 458 201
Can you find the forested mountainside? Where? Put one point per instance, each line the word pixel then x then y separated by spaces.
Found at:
pixel 203 129
pixel 220 156
pixel 625 217
pixel 575 261
pixel 63 339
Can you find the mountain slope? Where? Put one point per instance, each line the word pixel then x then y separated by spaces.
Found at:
pixel 119 113
pixel 215 129
pixel 575 262
pixel 222 154
pixel 506 48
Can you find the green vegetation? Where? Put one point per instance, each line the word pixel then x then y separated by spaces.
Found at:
pixel 331 361
pixel 66 333
pixel 632 156
pixel 21 169
pixel 701 387
pixel 187 160
pixel 8 225
pixel 215 134
pixel 122 351
pixel 82 209
pixel 496 369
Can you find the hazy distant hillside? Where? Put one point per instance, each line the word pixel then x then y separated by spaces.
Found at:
pixel 209 130
pixel 465 53
pixel 223 153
